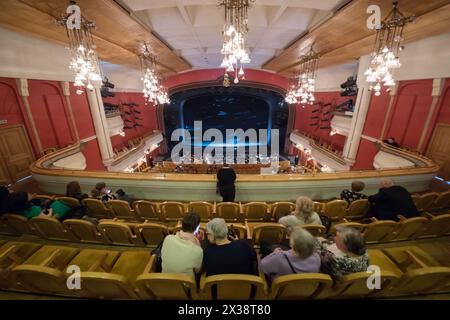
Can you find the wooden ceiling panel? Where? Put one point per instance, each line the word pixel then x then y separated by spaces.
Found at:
pixel 112 35
pixel 345 36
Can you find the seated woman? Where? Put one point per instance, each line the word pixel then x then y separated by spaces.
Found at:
pixel 346 255
pixel 355 193
pixel 182 253
pixel 20 203
pixel 73 189
pixel 302 258
pixel 303 214
pixel 101 193
pixel 224 256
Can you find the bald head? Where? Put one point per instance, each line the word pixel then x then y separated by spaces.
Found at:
pixel 386 183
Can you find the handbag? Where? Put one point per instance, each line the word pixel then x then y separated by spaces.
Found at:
pixel 158 259
pixel 326 222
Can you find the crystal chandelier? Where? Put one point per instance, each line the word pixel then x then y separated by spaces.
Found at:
pixel 302 91
pixel 384 57
pixel 84 61
pixel 235 31
pixel 154 91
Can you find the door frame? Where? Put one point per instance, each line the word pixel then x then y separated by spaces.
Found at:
pixel 27 138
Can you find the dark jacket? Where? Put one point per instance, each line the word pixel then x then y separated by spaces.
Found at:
pixel 237 257
pixel 392 201
pixel 226 176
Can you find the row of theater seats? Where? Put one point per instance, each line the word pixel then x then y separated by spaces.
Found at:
pixel 231 211
pixel 49 270
pixel 126 233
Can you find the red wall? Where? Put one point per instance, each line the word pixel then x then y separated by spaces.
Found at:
pixel 50 113
pixel 214 74
pixel 147 114
pixel 303 119
pixel 81 113
pixel 366 153
pixel 411 106
pixel 442 112
pixel 49 110
pixel 12 109
pixel 375 115
pixel 410 109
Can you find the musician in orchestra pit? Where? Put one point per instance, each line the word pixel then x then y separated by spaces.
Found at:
pixel 225 183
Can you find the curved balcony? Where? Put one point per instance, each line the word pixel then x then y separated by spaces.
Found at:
pixel 389 157
pixel 322 154
pixel 115 123
pixel 249 187
pixel 341 122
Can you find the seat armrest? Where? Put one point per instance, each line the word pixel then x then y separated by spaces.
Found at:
pixel 427 215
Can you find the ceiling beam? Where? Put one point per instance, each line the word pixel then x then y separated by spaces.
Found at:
pixel 112 35
pixel 345 36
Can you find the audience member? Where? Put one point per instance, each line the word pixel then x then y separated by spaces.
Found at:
pixel 121 195
pixel 73 189
pixel 4 199
pixel 182 253
pixel 355 193
pixel 391 141
pixel 225 183
pixel 303 214
pixel 19 203
pixel 100 192
pixel 346 255
pixel 222 256
pixel 391 201
pixel 302 258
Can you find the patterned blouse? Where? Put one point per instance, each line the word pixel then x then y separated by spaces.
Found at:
pixel 351 196
pixel 338 264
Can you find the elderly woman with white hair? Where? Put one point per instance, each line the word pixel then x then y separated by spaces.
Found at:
pixel 346 255
pixel 303 214
pixel 224 256
pixel 391 201
pixel 302 258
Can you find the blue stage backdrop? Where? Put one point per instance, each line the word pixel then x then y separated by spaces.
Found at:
pixel 227 108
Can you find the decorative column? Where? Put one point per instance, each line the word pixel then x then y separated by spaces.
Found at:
pixel 357 125
pixel 66 91
pixel 22 85
pixel 290 127
pixel 438 85
pixel 159 113
pixel 390 110
pixel 100 125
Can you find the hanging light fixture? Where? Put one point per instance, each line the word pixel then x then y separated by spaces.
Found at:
pixel 302 91
pixel 84 61
pixel 154 91
pixel 384 57
pixel 235 32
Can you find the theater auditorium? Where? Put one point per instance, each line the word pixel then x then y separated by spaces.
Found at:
pixel 224 150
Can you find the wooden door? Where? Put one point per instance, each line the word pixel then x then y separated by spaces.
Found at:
pixel 439 149
pixel 15 153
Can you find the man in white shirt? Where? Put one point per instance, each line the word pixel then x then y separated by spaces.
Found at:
pixel 182 253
